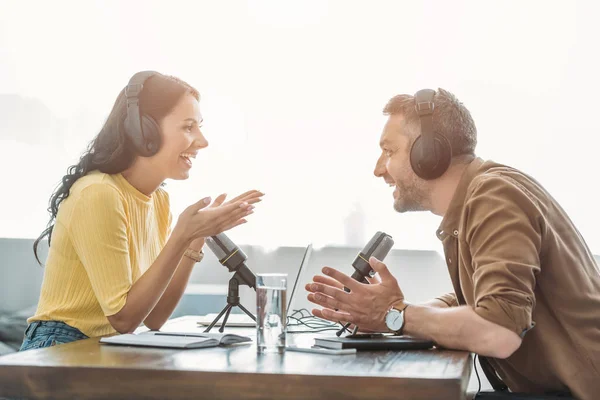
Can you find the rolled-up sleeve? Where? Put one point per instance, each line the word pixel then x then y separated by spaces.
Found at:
pixel 449 299
pixel 503 234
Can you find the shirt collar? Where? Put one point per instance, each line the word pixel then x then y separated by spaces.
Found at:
pixel 449 224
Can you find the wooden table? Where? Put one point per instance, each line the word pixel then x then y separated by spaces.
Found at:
pixel 89 370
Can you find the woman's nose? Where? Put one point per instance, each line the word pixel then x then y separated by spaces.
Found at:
pixel 200 141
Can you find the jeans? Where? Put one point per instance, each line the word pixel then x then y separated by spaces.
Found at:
pixel 40 334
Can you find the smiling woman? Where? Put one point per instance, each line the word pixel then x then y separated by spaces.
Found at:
pixel 113 261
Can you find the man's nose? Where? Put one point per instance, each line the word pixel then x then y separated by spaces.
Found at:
pixel 379 168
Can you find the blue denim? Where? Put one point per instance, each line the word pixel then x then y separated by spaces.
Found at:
pixel 40 334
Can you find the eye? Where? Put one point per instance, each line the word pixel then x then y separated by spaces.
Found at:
pixel 189 128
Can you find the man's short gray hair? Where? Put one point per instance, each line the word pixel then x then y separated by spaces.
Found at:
pixel 450 118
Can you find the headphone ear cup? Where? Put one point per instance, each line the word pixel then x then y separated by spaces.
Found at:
pixel 433 167
pixel 151 135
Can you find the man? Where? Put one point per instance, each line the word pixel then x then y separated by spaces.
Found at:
pixel 527 288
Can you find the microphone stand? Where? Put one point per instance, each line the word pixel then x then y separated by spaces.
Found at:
pixel 233 300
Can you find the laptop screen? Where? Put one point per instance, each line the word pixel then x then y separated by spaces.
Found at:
pixel 305 258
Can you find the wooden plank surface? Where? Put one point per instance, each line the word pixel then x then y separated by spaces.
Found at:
pixel 89 370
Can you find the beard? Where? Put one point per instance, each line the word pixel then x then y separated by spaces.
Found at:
pixel 411 197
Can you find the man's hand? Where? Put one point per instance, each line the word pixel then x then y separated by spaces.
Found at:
pixel 365 306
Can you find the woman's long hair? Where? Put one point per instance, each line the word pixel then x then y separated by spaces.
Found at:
pixel 111 151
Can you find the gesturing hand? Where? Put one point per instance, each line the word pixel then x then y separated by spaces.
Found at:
pixel 199 221
pixel 250 197
pixel 365 306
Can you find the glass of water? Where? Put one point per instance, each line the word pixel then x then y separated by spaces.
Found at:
pixel 271 292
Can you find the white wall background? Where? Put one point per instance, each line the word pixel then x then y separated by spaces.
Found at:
pixel 292 94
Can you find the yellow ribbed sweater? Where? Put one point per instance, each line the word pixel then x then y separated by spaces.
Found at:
pixel 106 235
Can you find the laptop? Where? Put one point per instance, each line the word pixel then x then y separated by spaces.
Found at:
pixel 242 320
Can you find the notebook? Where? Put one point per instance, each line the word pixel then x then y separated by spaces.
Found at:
pixel 374 342
pixel 176 340
pixel 242 320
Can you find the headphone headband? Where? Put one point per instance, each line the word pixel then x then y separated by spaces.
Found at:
pixel 425 106
pixel 132 93
pixel 143 141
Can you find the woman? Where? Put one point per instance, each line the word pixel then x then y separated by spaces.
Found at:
pixel 113 261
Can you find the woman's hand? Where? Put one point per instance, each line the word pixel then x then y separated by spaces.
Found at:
pixel 199 221
pixel 250 197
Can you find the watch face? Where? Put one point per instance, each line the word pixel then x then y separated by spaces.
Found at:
pixel 394 320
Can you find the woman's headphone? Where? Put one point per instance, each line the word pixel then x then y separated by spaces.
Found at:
pixel 142 130
pixel 431 153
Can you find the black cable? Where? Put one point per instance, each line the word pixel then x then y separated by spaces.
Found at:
pixel 308 316
pixel 321 321
pixel 310 324
pixel 303 317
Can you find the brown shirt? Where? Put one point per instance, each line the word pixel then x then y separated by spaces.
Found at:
pixel 515 256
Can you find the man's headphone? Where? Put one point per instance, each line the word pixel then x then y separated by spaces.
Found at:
pixel 142 130
pixel 431 153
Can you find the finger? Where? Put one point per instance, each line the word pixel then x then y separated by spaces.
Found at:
pixel 219 200
pixel 327 301
pixel 250 194
pixel 336 316
pixel 342 278
pixel 333 292
pixel 351 327
pixel 230 208
pixel 376 279
pixel 233 225
pixel 381 269
pixel 228 214
pixel 319 314
pixel 249 200
pixel 323 280
pixel 253 200
pixel 199 205
pixel 219 217
pixel 327 281
pixel 236 216
pixel 241 196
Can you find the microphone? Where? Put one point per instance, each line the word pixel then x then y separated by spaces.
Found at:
pixel 232 257
pixel 379 246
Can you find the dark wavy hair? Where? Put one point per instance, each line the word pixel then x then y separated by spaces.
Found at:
pixel 111 151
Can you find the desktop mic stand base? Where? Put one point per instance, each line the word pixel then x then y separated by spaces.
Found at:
pixel 233 300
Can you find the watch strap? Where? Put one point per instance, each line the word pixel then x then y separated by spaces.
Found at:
pixel 195 255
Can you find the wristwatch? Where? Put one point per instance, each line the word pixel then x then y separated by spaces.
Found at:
pixel 394 320
pixel 195 255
